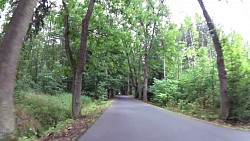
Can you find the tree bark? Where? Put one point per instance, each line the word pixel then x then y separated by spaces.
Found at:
pixel 131 73
pixel 146 55
pixel 9 53
pixel 128 88
pixel 76 97
pixel 145 86
pixel 224 105
pixel 69 53
pixel 139 79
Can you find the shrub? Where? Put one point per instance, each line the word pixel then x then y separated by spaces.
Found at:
pixel 164 91
pixel 48 110
pixel 99 93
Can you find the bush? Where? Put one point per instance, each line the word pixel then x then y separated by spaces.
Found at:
pixel 49 82
pixel 86 100
pixel 164 91
pixel 24 82
pixel 99 93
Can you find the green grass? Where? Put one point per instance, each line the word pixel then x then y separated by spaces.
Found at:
pixel 36 113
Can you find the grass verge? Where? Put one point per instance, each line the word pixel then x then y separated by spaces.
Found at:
pixel 39 115
pixel 74 130
pixel 205 116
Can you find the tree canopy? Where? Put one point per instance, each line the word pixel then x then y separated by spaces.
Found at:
pixel 100 48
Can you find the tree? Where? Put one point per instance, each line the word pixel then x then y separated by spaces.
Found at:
pixel 224 107
pixel 69 53
pixel 77 88
pixel 9 52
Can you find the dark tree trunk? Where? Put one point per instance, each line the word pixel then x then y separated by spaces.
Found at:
pixel 112 93
pixel 224 107
pixel 69 53
pixel 76 97
pixel 9 53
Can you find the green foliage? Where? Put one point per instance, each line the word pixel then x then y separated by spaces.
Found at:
pixel 194 68
pixel 57 108
pixel 192 84
pixel 164 91
pixel 24 83
pixel 49 111
pixel 120 31
pixel 99 93
pixel 238 72
pixel 48 82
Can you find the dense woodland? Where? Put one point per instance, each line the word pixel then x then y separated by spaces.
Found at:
pixel 95 49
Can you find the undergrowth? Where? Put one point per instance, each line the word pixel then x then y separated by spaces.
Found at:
pixel 38 113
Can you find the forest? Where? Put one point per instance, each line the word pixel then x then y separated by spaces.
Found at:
pixel 65 59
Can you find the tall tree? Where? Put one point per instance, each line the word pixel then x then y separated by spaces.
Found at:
pixel 9 52
pixel 220 62
pixel 77 88
pixel 150 24
pixel 69 53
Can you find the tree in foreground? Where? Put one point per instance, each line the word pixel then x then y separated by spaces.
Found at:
pixel 9 52
pixel 77 88
pixel 220 63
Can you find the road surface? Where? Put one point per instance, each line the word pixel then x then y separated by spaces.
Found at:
pixel 131 120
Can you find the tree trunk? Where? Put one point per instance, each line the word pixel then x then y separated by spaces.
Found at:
pixel 69 53
pixel 146 57
pixel 76 97
pixel 107 90
pixel 131 73
pixel 220 62
pixel 128 88
pixel 9 53
pixel 139 79
pixel 145 85
pixel 164 67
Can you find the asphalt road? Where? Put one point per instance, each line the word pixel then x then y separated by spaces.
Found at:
pixel 131 120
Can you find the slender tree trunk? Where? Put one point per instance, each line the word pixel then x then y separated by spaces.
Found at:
pixel 9 53
pixel 67 47
pixel 128 88
pixel 224 105
pixel 135 79
pixel 76 97
pixel 136 84
pixel 131 72
pixel 139 79
pixel 164 67
pixel 37 65
pixel 107 90
pixel 145 85
pixel 69 53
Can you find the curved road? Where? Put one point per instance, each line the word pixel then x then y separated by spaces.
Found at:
pixel 131 120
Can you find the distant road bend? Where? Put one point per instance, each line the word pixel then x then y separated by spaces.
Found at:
pixel 131 120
